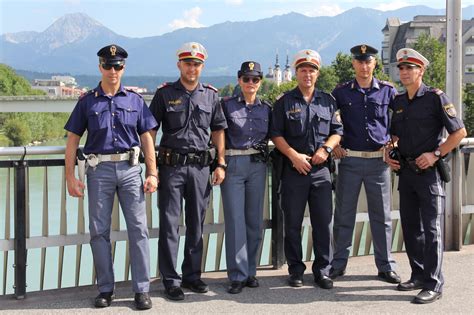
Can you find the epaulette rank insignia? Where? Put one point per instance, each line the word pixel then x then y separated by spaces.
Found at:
pixel 211 87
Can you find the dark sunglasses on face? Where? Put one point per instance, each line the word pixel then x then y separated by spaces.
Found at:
pixel 108 67
pixel 255 80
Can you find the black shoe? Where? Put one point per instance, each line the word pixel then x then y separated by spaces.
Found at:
pixel 410 285
pixel 197 286
pixel 174 293
pixel 334 273
pixel 389 276
pixel 427 296
pixel 235 287
pixel 295 280
pixel 252 282
pixel 323 282
pixel 142 301
pixel 104 299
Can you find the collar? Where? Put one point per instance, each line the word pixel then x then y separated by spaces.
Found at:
pixel 178 85
pixel 241 99
pixel 421 90
pixel 296 92
pixel 373 85
pixel 100 92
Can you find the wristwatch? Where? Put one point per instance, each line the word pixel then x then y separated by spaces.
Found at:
pixel 327 148
pixel 437 153
pixel 223 166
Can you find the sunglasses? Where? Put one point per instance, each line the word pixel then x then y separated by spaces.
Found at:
pixel 254 80
pixel 108 67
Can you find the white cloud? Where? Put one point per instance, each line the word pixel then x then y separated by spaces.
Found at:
pixel 325 10
pixel 392 5
pixel 234 2
pixel 190 19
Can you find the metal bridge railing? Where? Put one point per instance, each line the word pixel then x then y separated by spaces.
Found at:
pixel 43 230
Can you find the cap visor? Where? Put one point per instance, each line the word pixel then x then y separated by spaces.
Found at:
pixel 363 57
pixel 192 59
pixel 408 64
pixel 252 74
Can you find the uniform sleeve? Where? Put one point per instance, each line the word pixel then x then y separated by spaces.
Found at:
pixel 448 115
pixel 157 108
pixel 277 122
pixel 336 124
pixel 146 121
pixel 218 121
pixel 393 92
pixel 77 122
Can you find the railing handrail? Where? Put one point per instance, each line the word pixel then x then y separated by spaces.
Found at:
pixel 42 150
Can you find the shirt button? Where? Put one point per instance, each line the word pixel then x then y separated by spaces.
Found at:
pixel 115 139
pixel 367 140
pixel 113 114
pixel 251 129
pixel 365 106
pixel 250 119
pixel 113 126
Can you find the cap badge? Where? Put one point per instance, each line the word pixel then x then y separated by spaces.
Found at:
pixel 251 65
pixel 405 54
pixel 308 52
pixel 194 47
pixel 113 50
pixel 363 49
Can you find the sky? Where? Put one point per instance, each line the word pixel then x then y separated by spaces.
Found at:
pixel 143 18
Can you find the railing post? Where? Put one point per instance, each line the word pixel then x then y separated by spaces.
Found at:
pixel 278 254
pixel 20 229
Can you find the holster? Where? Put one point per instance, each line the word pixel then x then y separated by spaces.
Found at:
pixel 81 165
pixel 263 155
pixel 278 162
pixel 444 171
pixel 134 156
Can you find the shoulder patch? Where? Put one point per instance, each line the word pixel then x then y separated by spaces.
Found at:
pixel 450 110
pixel 207 85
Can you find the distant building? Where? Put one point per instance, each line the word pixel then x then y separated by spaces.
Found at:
pixel 398 35
pixel 278 76
pixel 137 89
pixel 58 86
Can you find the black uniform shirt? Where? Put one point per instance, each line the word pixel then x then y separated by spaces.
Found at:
pixel 418 123
pixel 304 126
pixel 187 117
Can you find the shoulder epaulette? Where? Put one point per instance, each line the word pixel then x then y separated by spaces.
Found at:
pixel 437 91
pixel 164 85
pixel 280 96
pixel 344 84
pixel 134 92
pixel 328 94
pixel 226 98
pixel 207 85
pixel 87 93
pixel 386 83
pixel 269 104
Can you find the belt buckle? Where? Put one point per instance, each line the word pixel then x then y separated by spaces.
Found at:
pixel 366 154
pixel 92 160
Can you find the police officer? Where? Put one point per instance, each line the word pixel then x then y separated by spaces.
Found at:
pixel 363 108
pixel 420 115
pixel 190 114
pixel 304 129
pixel 243 189
pixel 117 123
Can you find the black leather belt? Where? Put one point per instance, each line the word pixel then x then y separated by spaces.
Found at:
pixel 172 158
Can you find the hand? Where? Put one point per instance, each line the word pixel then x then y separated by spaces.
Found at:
pixel 151 184
pixel 394 164
pixel 218 176
pixel 75 187
pixel 339 152
pixel 301 163
pixel 320 156
pixel 426 160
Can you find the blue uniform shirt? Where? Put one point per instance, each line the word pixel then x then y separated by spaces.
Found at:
pixel 305 127
pixel 247 124
pixel 187 116
pixel 113 123
pixel 418 123
pixel 364 114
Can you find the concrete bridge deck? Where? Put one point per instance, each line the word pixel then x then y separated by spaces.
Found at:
pixel 359 291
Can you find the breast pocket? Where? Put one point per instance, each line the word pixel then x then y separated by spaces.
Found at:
pixel 97 119
pixel 127 115
pixel 380 109
pixel 295 124
pixel 175 117
pixel 324 122
pixel 203 115
pixel 397 124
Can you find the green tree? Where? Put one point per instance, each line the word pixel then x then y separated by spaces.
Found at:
pixel 17 131
pixel 276 91
pixel 327 79
pixel 227 90
pixel 342 66
pixel 469 109
pixel 435 52
pixel 13 84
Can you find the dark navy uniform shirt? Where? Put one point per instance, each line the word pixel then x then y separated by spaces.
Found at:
pixel 247 124
pixel 418 123
pixel 187 116
pixel 305 127
pixel 113 123
pixel 364 114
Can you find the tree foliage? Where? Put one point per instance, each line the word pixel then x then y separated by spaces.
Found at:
pixel 435 52
pixel 13 84
pixel 469 109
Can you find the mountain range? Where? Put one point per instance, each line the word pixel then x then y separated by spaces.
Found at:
pixel 70 44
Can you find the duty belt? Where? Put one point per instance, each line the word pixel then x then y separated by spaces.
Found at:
pixel 365 154
pixel 172 158
pixel 233 152
pixel 94 159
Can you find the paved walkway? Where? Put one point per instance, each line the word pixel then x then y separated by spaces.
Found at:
pixel 358 292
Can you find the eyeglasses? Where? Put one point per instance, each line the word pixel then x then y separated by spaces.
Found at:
pixel 254 80
pixel 106 66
